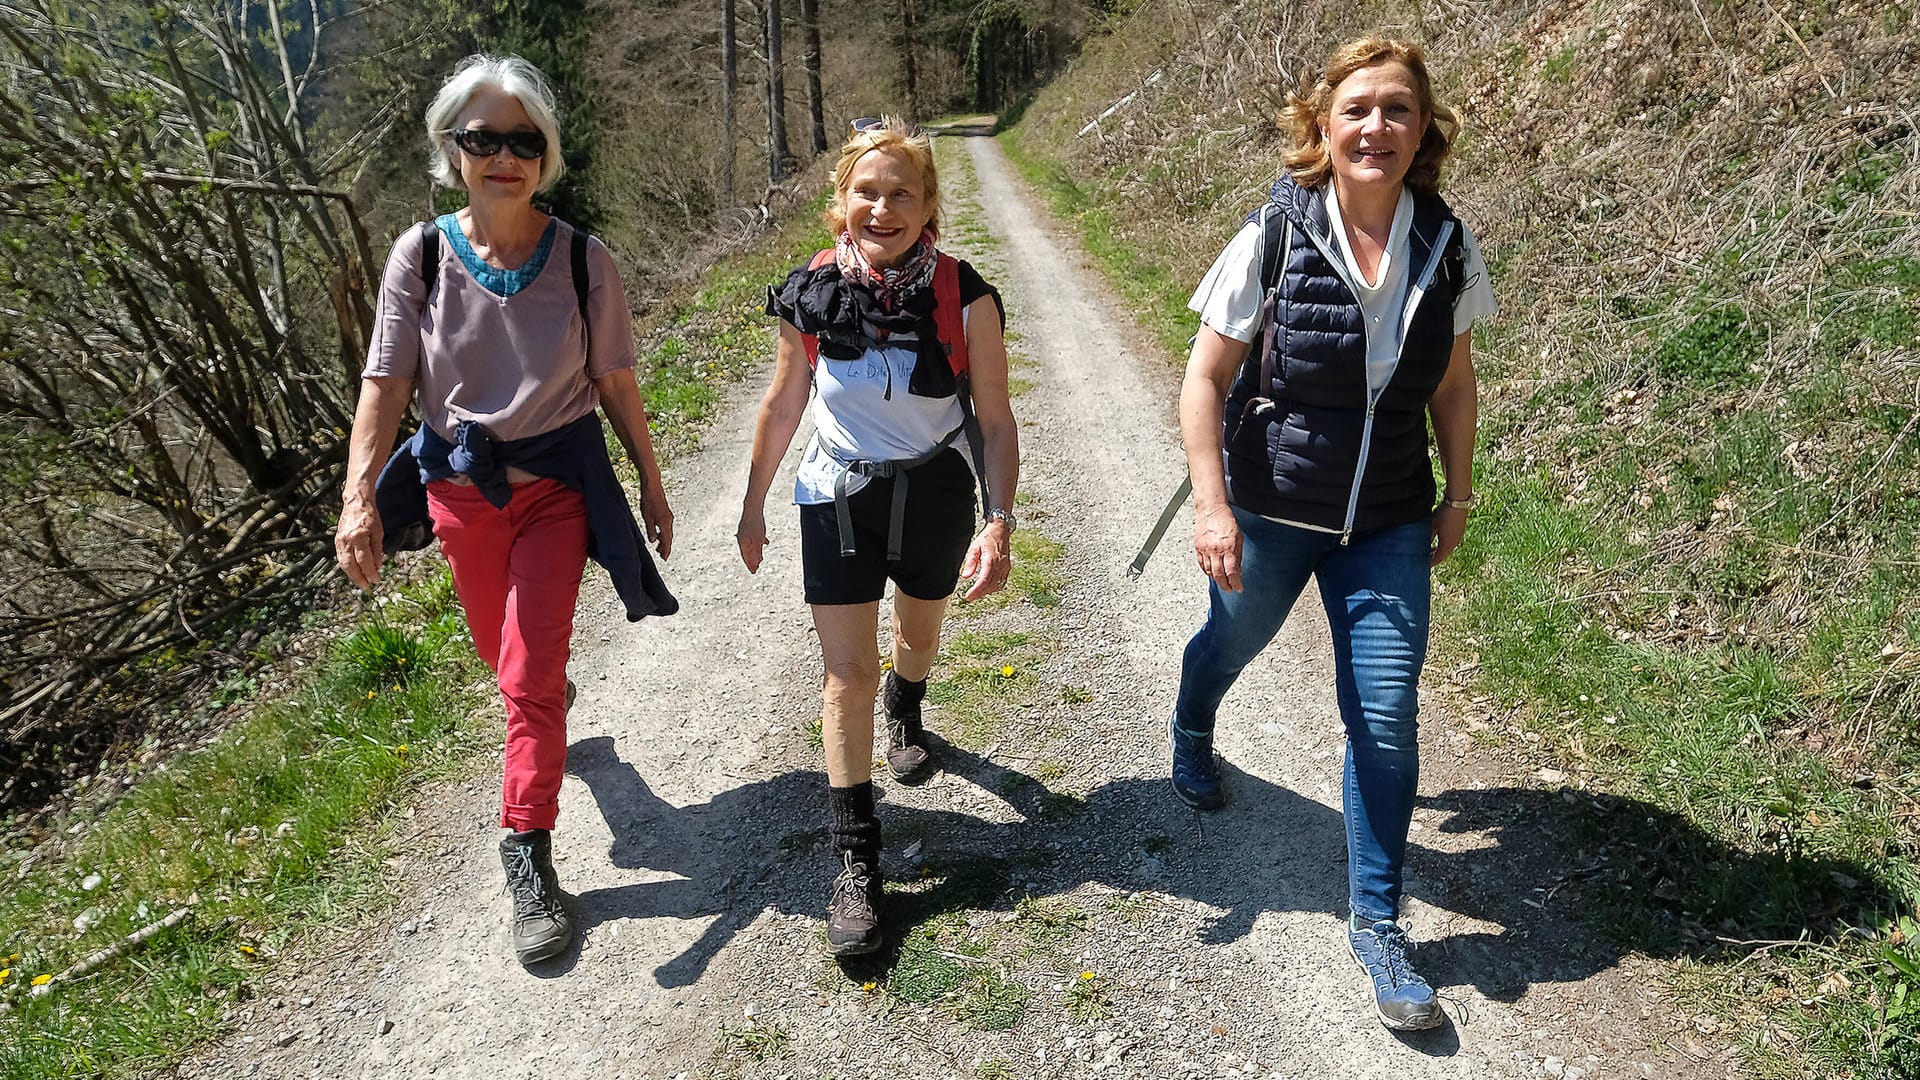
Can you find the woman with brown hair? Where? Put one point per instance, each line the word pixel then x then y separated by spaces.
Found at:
pixel 901 348
pixel 1333 326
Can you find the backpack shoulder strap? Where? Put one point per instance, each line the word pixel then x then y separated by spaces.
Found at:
pixel 429 254
pixel 949 320
pixel 949 316
pixel 581 280
pixel 812 341
pixel 1275 225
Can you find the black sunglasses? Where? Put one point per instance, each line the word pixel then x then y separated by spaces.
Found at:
pixel 485 142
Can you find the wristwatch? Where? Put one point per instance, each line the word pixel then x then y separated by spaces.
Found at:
pixel 1000 513
pixel 1458 504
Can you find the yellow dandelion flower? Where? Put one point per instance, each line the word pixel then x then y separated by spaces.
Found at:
pixel 869 986
pixel 396 687
pixel 5 974
pixel 1006 672
pixel 248 949
pixel 401 749
pixel 1087 975
pixel 886 665
pixel 402 661
pixel 42 980
pixel 369 695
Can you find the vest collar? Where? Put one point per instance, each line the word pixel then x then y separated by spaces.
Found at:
pixel 1309 212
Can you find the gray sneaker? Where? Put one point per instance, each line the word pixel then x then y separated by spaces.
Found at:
pixel 541 926
pixel 1401 997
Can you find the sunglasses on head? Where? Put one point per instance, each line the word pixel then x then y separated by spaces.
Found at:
pixel 875 123
pixel 485 142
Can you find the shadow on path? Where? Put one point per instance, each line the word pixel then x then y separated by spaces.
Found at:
pixel 1573 880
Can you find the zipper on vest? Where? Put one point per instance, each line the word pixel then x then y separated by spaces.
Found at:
pixel 1339 264
pixel 1414 298
pixel 1359 471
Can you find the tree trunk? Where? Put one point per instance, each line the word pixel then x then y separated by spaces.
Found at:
pixel 909 45
pixel 729 70
pixel 816 100
pixel 777 152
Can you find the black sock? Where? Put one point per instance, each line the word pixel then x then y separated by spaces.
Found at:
pixel 852 823
pixel 903 699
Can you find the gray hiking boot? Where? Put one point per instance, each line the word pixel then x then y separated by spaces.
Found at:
pixel 541 926
pixel 907 753
pixel 853 909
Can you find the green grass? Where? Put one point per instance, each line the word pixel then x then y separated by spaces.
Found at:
pixel 274 830
pixel 697 343
pixel 1087 998
pixel 1036 577
pixel 996 1069
pixel 754 1042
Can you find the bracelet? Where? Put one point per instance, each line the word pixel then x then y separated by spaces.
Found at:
pixel 1457 504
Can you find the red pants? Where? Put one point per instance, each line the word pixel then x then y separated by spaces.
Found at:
pixel 517 571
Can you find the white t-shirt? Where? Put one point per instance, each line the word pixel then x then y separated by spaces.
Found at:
pixel 1228 299
pixel 853 416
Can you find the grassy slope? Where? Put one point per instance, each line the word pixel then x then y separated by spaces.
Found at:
pixel 278 827
pixel 1691 583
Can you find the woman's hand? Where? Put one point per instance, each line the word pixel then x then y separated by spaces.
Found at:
pixel 656 516
pixel 1216 540
pixel 357 541
pixel 1449 525
pixel 752 535
pixel 358 538
pixel 989 560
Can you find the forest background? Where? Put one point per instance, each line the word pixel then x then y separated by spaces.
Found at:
pixel 1692 580
pixel 195 203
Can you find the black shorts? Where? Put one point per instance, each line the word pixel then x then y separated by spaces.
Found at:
pixel 933 539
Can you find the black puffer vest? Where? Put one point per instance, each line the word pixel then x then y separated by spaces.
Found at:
pixel 1312 448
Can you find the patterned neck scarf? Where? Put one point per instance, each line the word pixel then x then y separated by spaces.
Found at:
pixel 893 287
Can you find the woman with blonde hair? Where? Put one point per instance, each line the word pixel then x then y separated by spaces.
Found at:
pixel 900 346
pixel 1335 324
pixel 513 329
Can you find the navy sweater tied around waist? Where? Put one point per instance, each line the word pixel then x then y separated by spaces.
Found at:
pixel 574 455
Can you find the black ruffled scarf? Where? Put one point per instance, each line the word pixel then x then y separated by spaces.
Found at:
pixel 847 315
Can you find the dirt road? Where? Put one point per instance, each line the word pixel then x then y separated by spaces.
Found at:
pixel 1081 919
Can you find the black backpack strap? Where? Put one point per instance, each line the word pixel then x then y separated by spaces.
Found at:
pixel 976 442
pixel 580 284
pixel 429 254
pixel 1273 256
pixel 580 271
pixel 1273 259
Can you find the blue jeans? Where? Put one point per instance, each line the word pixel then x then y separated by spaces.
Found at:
pixel 1376 591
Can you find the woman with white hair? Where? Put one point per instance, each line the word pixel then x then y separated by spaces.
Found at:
pixel 513 328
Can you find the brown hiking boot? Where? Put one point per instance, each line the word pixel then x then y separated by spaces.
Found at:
pixel 541 926
pixel 907 753
pixel 853 909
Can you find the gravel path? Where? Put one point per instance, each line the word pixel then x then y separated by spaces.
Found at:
pixel 692 834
